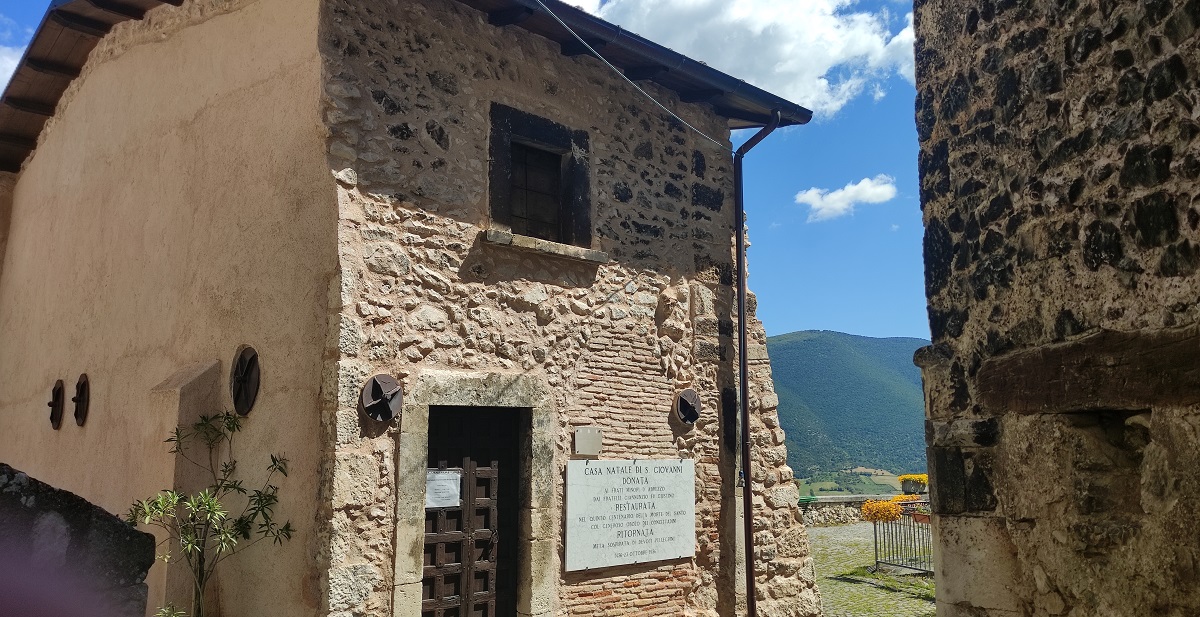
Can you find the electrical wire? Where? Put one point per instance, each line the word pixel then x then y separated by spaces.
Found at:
pixel 626 78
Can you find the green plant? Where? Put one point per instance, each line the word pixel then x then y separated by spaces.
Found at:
pixel 200 522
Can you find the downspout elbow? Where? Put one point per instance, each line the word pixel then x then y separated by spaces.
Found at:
pixel 776 118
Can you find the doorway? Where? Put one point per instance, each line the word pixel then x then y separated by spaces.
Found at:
pixel 474 495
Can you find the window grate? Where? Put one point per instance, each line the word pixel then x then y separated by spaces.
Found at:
pixel 539 178
pixel 536 193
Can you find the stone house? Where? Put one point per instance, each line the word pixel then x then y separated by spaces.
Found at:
pixel 1059 164
pixel 261 205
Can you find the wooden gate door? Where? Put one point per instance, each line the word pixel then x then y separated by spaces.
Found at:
pixel 470 545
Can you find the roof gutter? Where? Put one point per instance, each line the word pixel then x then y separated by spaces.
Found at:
pixel 591 27
pixel 739 223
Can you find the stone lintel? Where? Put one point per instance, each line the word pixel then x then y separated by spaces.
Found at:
pixel 1107 370
pixel 546 247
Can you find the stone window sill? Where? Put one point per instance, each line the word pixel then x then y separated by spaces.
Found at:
pixel 545 247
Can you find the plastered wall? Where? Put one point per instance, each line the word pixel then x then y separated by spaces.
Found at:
pixel 7 181
pixel 1058 166
pixel 407 96
pixel 178 206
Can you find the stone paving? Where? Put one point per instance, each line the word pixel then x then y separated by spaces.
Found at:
pixel 837 553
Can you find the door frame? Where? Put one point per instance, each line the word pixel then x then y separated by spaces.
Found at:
pixel 537 556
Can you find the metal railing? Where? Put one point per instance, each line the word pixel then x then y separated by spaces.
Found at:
pixel 905 543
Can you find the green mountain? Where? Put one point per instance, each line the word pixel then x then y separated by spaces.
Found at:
pixel 847 401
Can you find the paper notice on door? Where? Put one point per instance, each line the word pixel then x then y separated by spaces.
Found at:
pixel 443 488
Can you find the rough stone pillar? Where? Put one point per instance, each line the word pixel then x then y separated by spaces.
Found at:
pixel 1057 172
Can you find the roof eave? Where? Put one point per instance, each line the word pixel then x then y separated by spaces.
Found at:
pixel 744 105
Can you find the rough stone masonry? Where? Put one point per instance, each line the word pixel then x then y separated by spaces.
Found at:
pixel 1058 169
pixel 422 290
pixel 63 556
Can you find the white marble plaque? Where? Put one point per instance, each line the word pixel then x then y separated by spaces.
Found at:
pixel 621 512
pixel 443 488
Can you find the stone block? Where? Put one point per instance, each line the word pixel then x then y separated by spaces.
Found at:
pixel 978 469
pixel 965 432
pixel 537 585
pixel 967 610
pixel 539 523
pixel 975 563
pixel 350 586
pixel 947 480
pixel 355 479
pixel 406 599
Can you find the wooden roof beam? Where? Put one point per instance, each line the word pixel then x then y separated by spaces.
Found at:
pixel 509 16
pixel 17 141
pixel 29 106
pixel 47 67
pixel 700 96
pixel 80 24
pixel 574 48
pixel 743 115
pixel 642 73
pixel 118 9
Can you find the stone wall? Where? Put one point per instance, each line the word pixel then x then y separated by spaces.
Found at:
pixel 830 511
pixel 1057 170
pixel 65 557
pixel 407 92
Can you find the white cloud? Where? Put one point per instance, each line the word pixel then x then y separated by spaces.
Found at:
pixel 12 39
pixel 818 53
pixel 8 29
pixel 827 204
pixel 895 228
pixel 9 57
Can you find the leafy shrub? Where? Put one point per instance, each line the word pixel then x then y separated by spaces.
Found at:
pixel 200 523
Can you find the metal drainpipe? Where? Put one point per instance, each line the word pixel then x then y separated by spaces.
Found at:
pixel 739 221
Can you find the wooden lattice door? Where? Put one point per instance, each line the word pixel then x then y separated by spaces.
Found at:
pixel 469 545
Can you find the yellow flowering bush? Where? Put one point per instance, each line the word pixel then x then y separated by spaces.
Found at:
pixel 880 511
pixel 920 478
pixel 904 498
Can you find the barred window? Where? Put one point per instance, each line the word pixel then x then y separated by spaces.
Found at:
pixel 539 177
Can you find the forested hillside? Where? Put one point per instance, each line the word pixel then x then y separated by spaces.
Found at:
pixel 847 401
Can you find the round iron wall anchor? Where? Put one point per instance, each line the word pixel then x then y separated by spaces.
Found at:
pixel 687 406
pixel 83 396
pixel 244 379
pixel 56 405
pixel 381 398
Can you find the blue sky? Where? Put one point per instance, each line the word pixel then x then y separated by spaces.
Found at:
pixel 835 220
